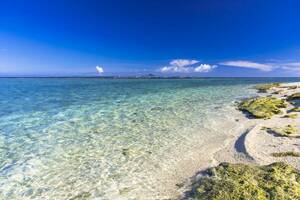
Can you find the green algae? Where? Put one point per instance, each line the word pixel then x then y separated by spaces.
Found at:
pixel 265 87
pixel 285 154
pixel 240 181
pixel 296 109
pixel 286 131
pixel 292 116
pixel 295 96
pixel 262 107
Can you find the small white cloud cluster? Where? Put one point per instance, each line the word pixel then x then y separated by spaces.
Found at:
pixel 186 66
pixel 183 62
pixel 99 69
pixel 204 68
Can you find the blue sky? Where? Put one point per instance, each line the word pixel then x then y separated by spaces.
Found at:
pixel 168 37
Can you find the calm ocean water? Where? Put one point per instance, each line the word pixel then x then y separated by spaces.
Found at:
pixel 84 138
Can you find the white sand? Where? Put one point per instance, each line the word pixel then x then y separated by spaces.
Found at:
pixel 250 144
pixel 256 145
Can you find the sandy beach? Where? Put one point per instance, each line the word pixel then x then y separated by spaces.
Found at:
pixel 254 143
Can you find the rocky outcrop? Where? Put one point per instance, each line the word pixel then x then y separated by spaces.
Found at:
pixel 263 107
pixel 241 181
pixel 265 87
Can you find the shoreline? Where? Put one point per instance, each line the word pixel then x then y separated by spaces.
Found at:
pixel 179 179
pixel 158 165
pixel 252 144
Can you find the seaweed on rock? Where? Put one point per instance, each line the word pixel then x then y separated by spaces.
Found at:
pixel 296 109
pixel 262 107
pixel 241 181
pixel 287 131
pixel 292 116
pixel 286 153
pixel 295 96
pixel 265 87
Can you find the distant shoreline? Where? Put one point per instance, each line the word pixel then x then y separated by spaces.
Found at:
pixel 145 77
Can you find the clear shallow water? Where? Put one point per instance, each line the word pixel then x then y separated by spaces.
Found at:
pixel 107 139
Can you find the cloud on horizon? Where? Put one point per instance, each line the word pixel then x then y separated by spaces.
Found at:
pixel 204 68
pixel 186 66
pixel 248 64
pixel 291 67
pixel 183 62
pixel 99 69
pixel 265 67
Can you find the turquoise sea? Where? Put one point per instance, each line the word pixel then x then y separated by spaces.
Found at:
pixel 90 138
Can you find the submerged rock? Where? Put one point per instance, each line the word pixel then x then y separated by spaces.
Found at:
pixel 81 196
pixel 265 87
pixel 287 131
pixel 128 152
pixel 241 181
pixel 262 107
pixel 125 190
pixel 156 109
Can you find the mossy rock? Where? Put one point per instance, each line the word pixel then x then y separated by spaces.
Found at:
pixel 295 96
pixel 248 182
pixel 285 154
pixel 296 109
pixel 278 92
pixel 262 107
pixel 265 87
pixel 292 116
pixel 287 131
pixel 292 87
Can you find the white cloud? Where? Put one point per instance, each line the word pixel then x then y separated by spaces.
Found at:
pixel 204 68
pixel 185 66
pixel 166 69
pixel 183 62
pixel 292 67
pixel 193 66
pixel 283 66
pixel 176 69
pixel 291 64
pixel 248 64
pixel 99 69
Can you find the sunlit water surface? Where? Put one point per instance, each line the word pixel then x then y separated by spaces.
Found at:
pixel 86 138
